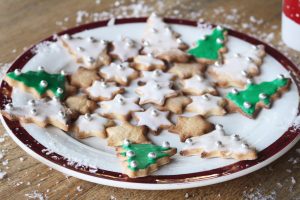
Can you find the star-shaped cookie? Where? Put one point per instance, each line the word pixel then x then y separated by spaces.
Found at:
pixel 176 104
pixel 197 85
pixel 153 119
pixel 148 63
pixel 83 77
pixel 207 105
pixel 187 70
pixel 187 127
pixel 119 108
pixel 101 90
pixel 81 104
pixel 155 92
pixel 125 48
pixel 156 75
pixel 126 131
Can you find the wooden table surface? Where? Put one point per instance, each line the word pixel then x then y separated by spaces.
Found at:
pixel 23 23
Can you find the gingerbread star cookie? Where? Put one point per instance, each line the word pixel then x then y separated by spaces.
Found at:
pixel 81 104
pixel 119 108
pixel 197 85
pixel 176 104
pixel 153 119
pixel 256 96
pixel 237 69
pixel 83 77
pixel 126 131
pixel 187 127
pixel 218 144
pixel 207 105
pixel 89 125
pixel 140 160
pixel 88 51
pixel 121 73
pixel 187 70
pixel 40 83
pixel 160 40
pixel 156 75
pixel 155 92
pixel 42 112
pixel 148 62
pixel 125 49
pixel 101 90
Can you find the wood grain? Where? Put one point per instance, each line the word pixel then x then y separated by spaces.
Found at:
pixel 23 23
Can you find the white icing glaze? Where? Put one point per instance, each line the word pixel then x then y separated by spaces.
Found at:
pixel 86 49
pixel 126 48
pixel 93 124
pixel 237 67
pixel 104 90
pixel 156 75
pixel 198 85
pixel 148 60
pixel 41 110
pixel 119 72
pixel 206 104
pixel 218 141
pixel 158 37
pixel 119 107
pixel 152 118
pixel 154 92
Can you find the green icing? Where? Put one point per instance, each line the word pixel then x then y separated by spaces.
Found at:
pixel 33 78
pixel 208 48
pixel 141 154
pixel 252 92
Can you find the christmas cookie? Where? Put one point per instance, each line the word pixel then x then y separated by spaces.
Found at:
pixel 119 108
pixel 161 41
pixel 101 90
pixel 81 104
pixel 125 49
pixel 42 112
pixel 237 69
pixel 155 92
pixel 148 62
pixel 140 160
pixel 39 83
pixel 257 96
pixel 89 125
pixel 218 144
pixel 156 75
pixel 126 131
pixel 176 104
pixel 187 127
pixel 187 70
pixel 121 73
pixel 88 51
pixel 207 105
pixel 209 48
pixel 197 85
pixel 83 77
pixel 154 119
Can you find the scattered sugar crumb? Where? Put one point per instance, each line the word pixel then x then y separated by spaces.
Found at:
pixel 98 2
pixel 2 139
pixel 112 197
pixel 5 162
pixel 186 195
pixel 79 188
pixel 21 159
pixel 2 175
pixel 111 22
pixel 36 195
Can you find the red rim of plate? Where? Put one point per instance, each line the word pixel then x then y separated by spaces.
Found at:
pixel 21 134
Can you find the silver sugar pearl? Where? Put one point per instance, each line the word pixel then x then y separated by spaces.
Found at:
pixel 104 84
pixel 219 127
pixel 62 113
pixel 166 144
pixel 217 64
pixel 33 111
pixel 130 154
pixel 157 86
pixel 62 72
pixel 91 60
pixel 154 113
pixel 220 28
pixel 249 59
pixel 234 91
pixel 237 55
pixel 91 39
pixel 31 102
pixel 67 37
pixel 247 105
pixel 41 68
pixel 133 164
pixel 88 116
pixel 156 73
pixel 203 37
pixel 126 142
pixel 254 47
pixel 189 141
pixel 244 73
pixel 244 145
pixel 121 101
pixel 219 144
pixel 120 67
pixel 179 41
pixel 9 106
pixel 262 96
pixel 199 78
pixel 103 42
pixel 129 43
pixel 249 81
pixel 152 155
pixel 17 72
pixel 280 76
pixel 146 43
pixel 219 41
pixel 235 137
pixel 153 30
pixel 59 90
pixel 205 97
pixel 79 48
pixel 44 83
pixel 55 98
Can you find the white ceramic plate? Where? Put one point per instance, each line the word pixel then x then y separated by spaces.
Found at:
pixel 273 133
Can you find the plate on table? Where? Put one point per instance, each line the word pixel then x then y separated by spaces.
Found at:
pixel 272 133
